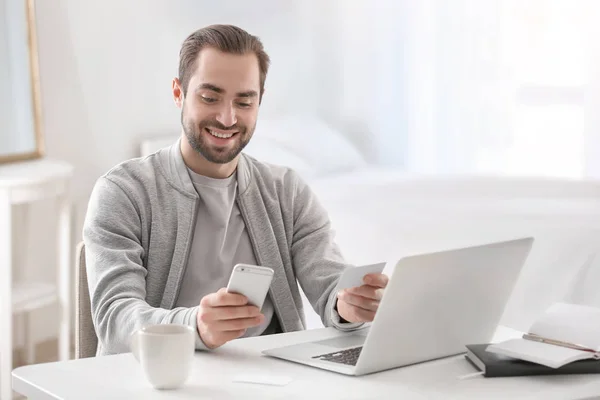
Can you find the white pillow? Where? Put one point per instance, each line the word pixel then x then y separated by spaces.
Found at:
pixel 270 152
pixel 324 149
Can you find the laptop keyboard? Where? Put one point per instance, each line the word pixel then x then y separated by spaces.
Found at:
pixel 348 356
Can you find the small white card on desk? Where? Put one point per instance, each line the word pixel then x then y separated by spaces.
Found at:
pixel 272 380
pixel 353 276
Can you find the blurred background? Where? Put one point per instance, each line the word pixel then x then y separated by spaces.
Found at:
pixel 421 125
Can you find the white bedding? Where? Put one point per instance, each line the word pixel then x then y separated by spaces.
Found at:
pixel 384 221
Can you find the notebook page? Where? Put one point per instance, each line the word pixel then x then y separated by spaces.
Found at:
pixel 540 353
pixel 570 323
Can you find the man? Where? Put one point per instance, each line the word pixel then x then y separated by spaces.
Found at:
pixel 163 233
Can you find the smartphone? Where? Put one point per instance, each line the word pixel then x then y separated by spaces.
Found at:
pixel 251 281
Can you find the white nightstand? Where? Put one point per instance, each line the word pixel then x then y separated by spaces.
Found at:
pixel 22 183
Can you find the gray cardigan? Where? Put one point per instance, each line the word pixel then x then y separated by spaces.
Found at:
pixel 138 231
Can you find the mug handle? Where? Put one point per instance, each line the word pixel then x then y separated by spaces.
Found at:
pixel 134 344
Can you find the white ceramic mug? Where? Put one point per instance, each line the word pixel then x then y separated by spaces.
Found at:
pixel 165 353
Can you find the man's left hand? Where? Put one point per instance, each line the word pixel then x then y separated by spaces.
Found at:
pixel 359 304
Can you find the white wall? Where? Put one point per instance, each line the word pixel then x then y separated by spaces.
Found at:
pixel 17 134
pixel 106 70
pixel 5 89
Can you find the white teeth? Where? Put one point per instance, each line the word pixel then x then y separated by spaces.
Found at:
pixel 219 135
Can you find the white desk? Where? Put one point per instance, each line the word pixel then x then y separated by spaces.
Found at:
pixel 120 377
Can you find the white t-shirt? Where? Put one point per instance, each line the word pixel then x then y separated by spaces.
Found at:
pixel 220 242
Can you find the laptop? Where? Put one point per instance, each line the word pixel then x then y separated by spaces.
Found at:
pixel 434 305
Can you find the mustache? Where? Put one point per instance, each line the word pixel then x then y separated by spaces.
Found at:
pixel 218 125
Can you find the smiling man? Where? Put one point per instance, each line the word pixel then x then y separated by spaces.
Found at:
pixel 163 233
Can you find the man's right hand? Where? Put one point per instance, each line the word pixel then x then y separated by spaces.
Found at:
pixel 225 316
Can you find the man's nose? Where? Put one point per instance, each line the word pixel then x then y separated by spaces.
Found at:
pixel 226 115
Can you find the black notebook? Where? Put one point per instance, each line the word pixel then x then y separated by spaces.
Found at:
pixel 497 365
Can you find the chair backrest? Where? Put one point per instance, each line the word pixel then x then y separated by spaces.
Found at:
pixel 86 341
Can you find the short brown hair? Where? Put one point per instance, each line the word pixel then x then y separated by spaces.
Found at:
pixel 226 38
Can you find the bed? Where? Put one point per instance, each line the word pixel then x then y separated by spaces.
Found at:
pixel 381 213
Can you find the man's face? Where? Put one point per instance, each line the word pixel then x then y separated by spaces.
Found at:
pixel 219 113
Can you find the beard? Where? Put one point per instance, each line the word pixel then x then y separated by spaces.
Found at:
pixel 219 155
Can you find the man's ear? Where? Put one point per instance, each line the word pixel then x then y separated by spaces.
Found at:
pixel 177 92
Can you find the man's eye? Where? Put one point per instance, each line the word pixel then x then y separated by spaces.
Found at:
pixel 208 99
pixel 245 105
